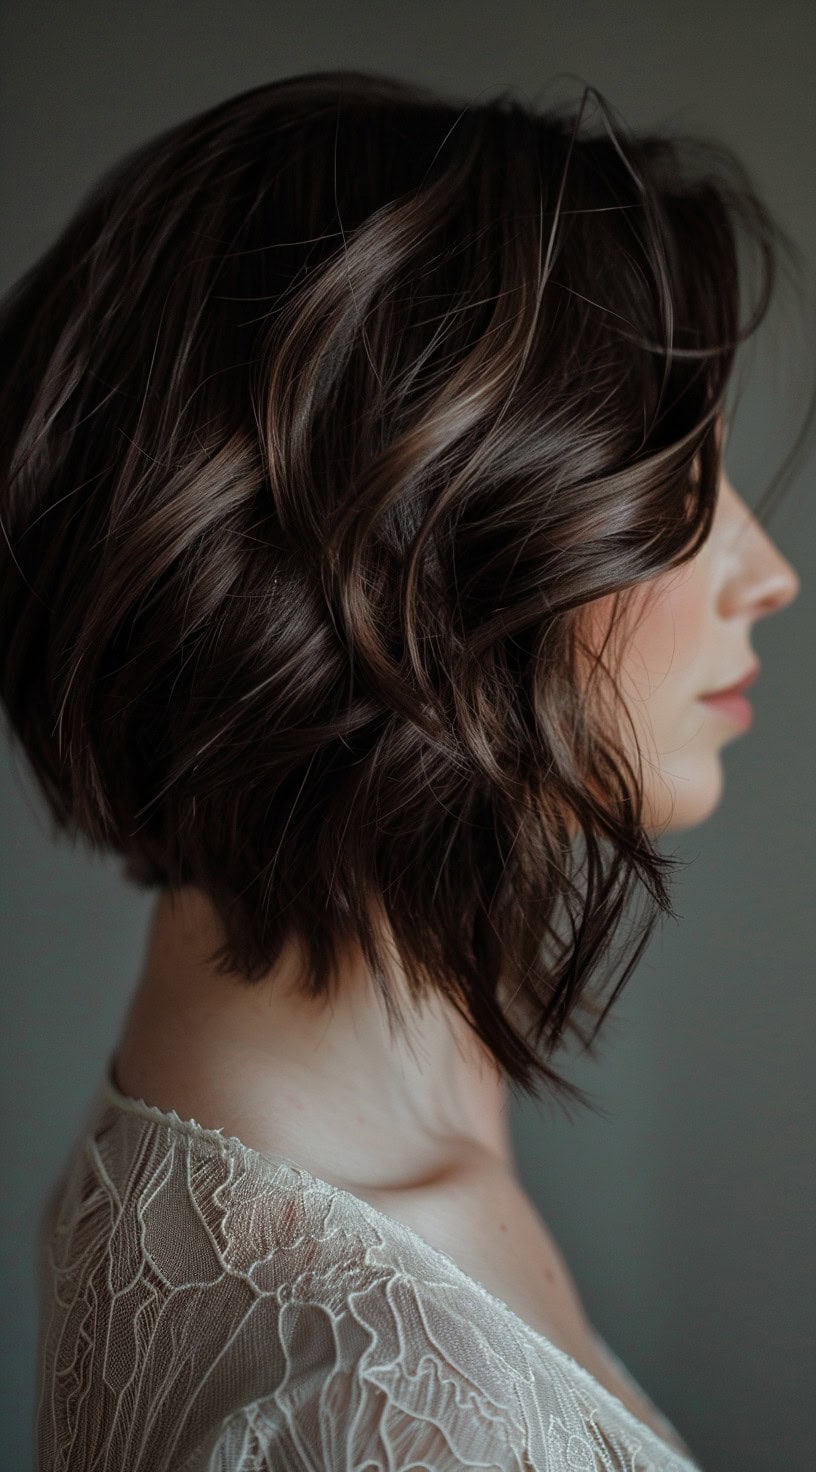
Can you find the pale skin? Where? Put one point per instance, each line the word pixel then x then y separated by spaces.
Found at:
pixel 419 1126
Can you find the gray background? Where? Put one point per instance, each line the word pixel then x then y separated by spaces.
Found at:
pixel 686 1210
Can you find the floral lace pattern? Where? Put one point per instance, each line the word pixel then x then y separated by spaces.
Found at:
pixel 209 1308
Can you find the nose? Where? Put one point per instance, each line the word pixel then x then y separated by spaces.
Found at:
pixel 775 583
pixel 764 581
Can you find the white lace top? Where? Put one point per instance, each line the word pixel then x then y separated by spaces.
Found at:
pixel 208 1306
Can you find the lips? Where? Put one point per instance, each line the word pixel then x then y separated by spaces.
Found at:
pixel 736 689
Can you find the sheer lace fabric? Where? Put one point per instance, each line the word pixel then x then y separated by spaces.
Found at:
pixel 209 1308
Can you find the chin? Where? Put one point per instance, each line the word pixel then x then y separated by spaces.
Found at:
pixel 684 799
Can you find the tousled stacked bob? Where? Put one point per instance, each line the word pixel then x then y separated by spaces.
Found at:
pixel 323 422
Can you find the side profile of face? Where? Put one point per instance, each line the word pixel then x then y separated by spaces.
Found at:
pixel 692 635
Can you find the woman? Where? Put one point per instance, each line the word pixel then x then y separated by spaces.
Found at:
pixel 370 578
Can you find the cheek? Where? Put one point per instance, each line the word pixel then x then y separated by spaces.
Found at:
pixel 663 661
pixel 664 676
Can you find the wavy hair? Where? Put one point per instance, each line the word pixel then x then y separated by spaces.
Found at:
pixel 322 422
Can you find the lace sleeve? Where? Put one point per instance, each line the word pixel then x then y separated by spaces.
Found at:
pixel 375 1433
pixel 417 1411
pixel 405 1396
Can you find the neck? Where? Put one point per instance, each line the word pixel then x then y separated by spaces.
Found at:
pixel 324 1083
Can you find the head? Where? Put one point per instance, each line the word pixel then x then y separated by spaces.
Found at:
pixel 368 542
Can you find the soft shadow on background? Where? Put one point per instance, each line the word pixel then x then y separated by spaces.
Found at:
pixel 685 1207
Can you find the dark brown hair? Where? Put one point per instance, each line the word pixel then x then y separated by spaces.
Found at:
pixel 322 421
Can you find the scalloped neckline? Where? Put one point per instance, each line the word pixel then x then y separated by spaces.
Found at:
pixel 109 1093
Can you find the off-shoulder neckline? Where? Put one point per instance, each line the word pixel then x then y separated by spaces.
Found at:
pixel 109 1093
